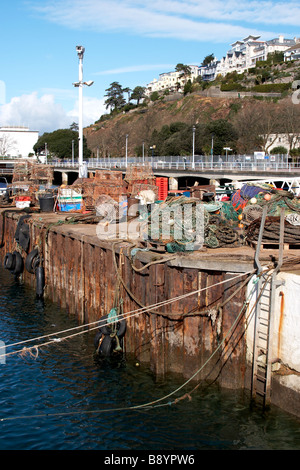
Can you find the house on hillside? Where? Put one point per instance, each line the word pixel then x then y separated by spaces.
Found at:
pixel 242 55
pixel 172 81
pixel 292 53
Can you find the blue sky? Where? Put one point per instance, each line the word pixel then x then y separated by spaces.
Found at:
pixel 128 41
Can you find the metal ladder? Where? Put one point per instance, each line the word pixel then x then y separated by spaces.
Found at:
pixel 263 323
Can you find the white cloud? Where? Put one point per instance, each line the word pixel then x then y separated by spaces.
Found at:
pixel 43 114
pixel 93 108
pixel 216 21
pixel 135 68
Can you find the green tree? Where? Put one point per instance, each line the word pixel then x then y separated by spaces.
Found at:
pixel 74 126
pixel 280 150
pixel 127 90
pixel 154 96
pixel 115 99
pixel 224 135
pixel 188 87
pixel 185 71
pixel 208 59
pixel 138 93
pixel 59 143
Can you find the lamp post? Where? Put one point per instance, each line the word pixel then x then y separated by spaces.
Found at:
pixel 126 155
pixel 212 149
pixel 193 164
pixel 228 149
pixel 72 152
pixel 80 52
pixel 46 153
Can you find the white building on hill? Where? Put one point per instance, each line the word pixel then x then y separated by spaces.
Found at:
pixel 243 55
pixel 172 81
pixel 17 141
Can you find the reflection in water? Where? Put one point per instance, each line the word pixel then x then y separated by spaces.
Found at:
pixel 74 400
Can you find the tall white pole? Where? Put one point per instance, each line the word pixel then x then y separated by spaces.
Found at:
pixel 82 170
pixel 126 151
pixel 193 164
pixel 80 136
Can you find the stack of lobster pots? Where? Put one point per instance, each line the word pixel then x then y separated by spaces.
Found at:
pixel 140 178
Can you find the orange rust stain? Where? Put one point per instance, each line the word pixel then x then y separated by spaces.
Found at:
pixel 281 294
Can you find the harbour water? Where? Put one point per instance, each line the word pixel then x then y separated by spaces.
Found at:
pixel 61 397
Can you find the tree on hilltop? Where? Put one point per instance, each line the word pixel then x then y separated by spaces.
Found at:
pixel 115 99
pixel 138 93
pixel 185 71
pixel 208 59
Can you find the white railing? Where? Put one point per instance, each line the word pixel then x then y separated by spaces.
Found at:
pixel 184 166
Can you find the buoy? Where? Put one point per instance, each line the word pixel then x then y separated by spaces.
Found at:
pixel 240 216
pixel 267 197
pixel 253 200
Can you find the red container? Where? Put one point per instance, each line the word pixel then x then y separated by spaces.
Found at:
pixel 162 184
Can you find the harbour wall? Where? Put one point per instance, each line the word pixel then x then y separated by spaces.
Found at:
pixel 192 336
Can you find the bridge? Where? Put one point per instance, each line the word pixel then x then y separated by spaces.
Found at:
pixel 181 168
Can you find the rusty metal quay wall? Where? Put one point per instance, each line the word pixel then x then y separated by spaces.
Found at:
pixel 80 276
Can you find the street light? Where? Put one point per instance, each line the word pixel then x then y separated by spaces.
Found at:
pixel 80 52
pixel 193 164
pixel 126 150
pixel 72 152
pixel 228 149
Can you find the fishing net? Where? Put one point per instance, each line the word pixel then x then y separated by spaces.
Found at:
pixel 178 222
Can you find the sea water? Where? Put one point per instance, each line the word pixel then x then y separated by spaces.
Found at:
pixel 60 396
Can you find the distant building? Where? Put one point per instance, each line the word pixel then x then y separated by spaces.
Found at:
pixel 172 81
pixel 243 55
pixel 292 53
pixel 17 141
pixel 288 141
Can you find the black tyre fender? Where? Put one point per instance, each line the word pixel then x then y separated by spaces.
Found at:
pixel 32 261
pixel 107 346
pixel 19 264
pixel 40 281
pixel 107 329
pixel 9 261
pixel 97 338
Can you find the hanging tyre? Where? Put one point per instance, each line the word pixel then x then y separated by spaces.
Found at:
pixel 107 346
pixel 97 338
pixel 19 264
pixel 107 329
pixel 9 261
pixel 32 261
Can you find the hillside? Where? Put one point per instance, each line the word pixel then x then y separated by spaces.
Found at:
pixel 110 136
pixel 254 114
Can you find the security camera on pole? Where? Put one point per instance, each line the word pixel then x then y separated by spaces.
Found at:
pixel 82 169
